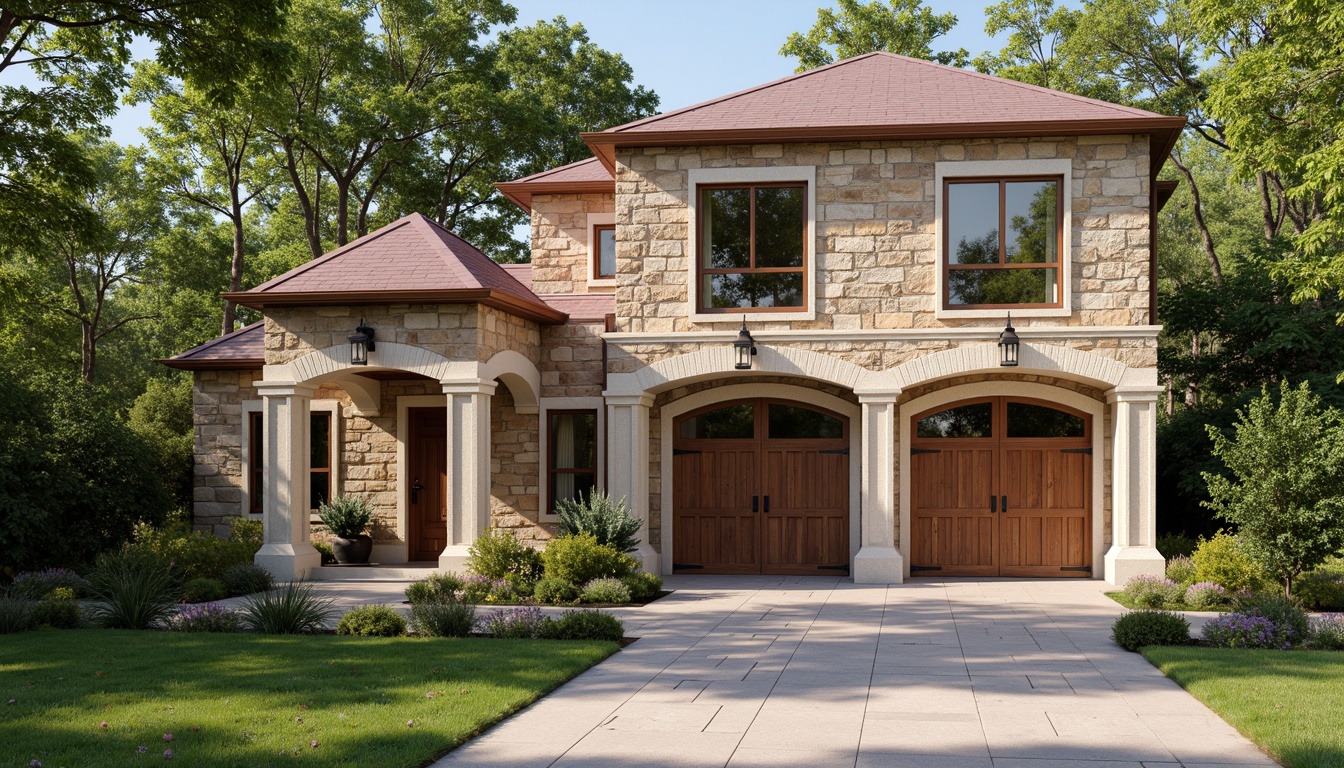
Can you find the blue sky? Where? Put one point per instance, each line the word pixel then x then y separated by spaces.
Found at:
pixel 687 51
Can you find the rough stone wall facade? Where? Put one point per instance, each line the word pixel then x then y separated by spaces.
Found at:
pixel 217 413
pixel 571 361
pixel 515 466
pixel 560 240
pixel 874 253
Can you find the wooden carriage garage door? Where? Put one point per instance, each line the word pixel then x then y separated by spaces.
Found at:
pixel 1001 487
pixel 760 486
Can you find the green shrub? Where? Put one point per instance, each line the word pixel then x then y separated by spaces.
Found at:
pixel 611 591
pixel 643 585
pixel 443 618
pixel 1284 612
pixel 552 591
pixel 435 588
pixel 34 585
pixel 60 593
pixel 1243 630
pixel 1136 629
pixel 346 516
pixel 1153 591
pixel 193 554
pixel 1181 570
pixel 1322 590
pixel 520 586
pixel 483 589
pixel 206 617
pixel 371 621
pixel 246 578
pixel 1173 545
pixel 581 558
pixel 16 614
pixel 133 591
pixel 514 623
pixel 204 591
pixel 60 614
pixel 293 609
pixel 583 624
pixel 499 554
pixel 1222 560
pixel 1203 595
pixel 1327 634
pixel 609 522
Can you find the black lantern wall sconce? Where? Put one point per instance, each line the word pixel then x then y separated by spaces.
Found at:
pixel 745 347
pixel 361 344
pixel 1008 345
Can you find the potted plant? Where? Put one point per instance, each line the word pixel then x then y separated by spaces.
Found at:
pixel 348 517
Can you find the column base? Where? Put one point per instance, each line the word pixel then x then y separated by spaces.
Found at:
pixel 454 558
pixel 288 562
pixel 879 565
pixel 1124 563
pixel 648 558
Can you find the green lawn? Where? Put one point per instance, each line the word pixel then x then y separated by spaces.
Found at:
pixel 263 700
pixel 1291 703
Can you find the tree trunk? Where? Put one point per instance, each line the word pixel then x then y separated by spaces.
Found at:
pixel 307 205
pixel 88 351
pixel 236 267
pixel 1205 238
pixel 1192 386
pixel 342 212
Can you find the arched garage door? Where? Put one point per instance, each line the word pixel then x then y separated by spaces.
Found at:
pixel 761 486
pixel 1001 486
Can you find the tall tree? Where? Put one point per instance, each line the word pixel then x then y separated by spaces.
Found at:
pixel 906 27
pixel 1037 50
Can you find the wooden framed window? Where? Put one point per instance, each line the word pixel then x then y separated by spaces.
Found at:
pixel 571 455
pixel 319 459
pixel 752 248
pixel 604 251
pixel 1001 246
pixel 256 488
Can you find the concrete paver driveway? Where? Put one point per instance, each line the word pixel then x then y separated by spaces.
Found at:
pixel 761 671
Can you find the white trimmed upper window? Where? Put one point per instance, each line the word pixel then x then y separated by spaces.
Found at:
pixel 601 250
pixel 751 243
pixel 1003 238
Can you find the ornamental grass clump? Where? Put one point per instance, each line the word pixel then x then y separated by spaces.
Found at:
pixel 371 621
pixel 609 591
pixel 132 591
pixel 1153 591
pixel 293 609
pixel 443 618
pixel 1241 630
pixel 35 585
pixel 1204 595
pixel 610 522
pixel 205 617
pixel 1137 629
pixel 514 623
pixel 15 614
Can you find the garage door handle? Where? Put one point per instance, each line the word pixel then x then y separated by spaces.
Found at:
pixel 767 505
pixel 755 503
pixel 1003 504
pixel 993 504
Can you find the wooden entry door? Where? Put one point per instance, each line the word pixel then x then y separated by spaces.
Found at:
pixel 426 484
pixel 1001 486
pixel 761 486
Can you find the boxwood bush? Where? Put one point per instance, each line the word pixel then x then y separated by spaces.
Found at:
pixel 1136 629
pixel 579 559
pixel 552 591
pixel 371 621
pixel 499 554
pixel 443 618
pixel 643 585
pixel 583 624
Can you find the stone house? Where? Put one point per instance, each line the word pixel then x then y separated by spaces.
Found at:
pixel 772 322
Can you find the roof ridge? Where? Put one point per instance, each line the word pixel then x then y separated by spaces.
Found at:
pixel 1017 83
pixel 324 258
pixel 701 105
pixel 220 339
pixel 451 259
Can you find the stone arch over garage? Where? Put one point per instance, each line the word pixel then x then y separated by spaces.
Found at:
pixel 717 363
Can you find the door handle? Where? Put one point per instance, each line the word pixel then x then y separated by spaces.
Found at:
pixel 416 488
pixel 993 504
pixel 755 503
pixel 767 505
pixel 1003 504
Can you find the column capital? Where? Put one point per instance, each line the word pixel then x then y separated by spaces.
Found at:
pixel 879 398
pixel 284 389
pixel 1134 394
pixel 468 386
pixel 642 399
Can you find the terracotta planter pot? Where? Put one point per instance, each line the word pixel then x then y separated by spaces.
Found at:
pixel 351 551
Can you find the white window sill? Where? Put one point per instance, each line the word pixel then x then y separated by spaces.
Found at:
pixel 980 314
pixel 752 317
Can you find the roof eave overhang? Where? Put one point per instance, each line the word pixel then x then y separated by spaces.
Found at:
pixel 1164 189
pixel 521 192
pixel 605 143
pixel 514 305
pixel 188 364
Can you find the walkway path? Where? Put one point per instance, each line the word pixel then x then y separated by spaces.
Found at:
pixel 816 672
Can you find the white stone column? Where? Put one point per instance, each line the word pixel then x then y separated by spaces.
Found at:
pixel 468 495
pixel 286 551
pixel 878 561
pixel 1134 485
pixel 628 466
